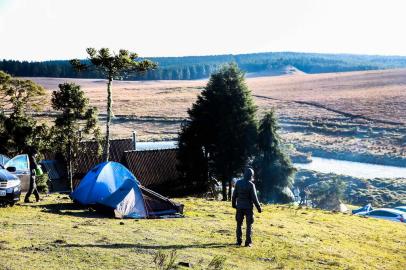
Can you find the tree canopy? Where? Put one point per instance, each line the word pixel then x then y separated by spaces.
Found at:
pixel 222 125
pixel 275 172
pixel 112 66
pixel 19 131
pixel 19 95
pixel 76 121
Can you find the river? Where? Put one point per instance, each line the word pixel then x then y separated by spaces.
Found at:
pixel 323 165
pixel 355 169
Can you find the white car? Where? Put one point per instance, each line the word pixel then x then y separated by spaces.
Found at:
pixel 21 164
pixel 401 208
pixel 385 213
pixel 10 186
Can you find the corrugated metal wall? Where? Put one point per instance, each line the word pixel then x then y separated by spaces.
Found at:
pixel 152 167
pixel 89 158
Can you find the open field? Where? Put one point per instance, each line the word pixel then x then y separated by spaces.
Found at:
pixel 360 115
pixel 55 234
pixel 378 95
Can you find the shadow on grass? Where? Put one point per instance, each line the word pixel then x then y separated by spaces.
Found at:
pixel 69 209
pixel 154 247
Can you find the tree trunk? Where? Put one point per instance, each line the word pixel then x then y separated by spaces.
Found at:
pixel 69 165
pixel 229 189
pixel 106 152
pixel 224 189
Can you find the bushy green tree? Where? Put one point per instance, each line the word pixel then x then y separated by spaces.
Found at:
pixel 222 127
pixel 327 191
pixel 112 66
pixel 275 172
pixel 76 122
pixel 19 131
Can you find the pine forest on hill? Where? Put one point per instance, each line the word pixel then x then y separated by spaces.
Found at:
pixel 200 67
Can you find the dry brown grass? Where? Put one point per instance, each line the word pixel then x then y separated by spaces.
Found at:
pixel 149 98
pixel 380 95
pixel 377 94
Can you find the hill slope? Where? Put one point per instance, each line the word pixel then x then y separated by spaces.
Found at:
pixel 198 67
pixel 56 235
pixel 285 70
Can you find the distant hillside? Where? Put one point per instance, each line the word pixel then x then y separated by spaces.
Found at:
pixel 286 70
pixel 199 67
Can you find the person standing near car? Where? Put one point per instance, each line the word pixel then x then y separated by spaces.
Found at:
pixel 244 198
pixel 33 185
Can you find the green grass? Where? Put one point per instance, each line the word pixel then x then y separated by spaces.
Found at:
pixel 54 234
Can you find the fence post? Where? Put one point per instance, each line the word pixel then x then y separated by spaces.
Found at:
pixel 135 140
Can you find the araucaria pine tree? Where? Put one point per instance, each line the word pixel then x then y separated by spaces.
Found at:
pixel 222 129
pixel 275 172
pixel 112 66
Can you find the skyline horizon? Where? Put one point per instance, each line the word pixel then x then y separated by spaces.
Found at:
pixel 219 54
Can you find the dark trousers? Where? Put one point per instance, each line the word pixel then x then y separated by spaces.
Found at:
pixel 32 190
pixel 249 217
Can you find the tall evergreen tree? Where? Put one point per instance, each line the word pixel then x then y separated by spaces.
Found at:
pixel 275 172
pixel 76 121
pixel 193 165
pixel 112 66
pixel 222 125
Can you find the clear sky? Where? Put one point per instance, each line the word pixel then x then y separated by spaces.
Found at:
pixel 62 29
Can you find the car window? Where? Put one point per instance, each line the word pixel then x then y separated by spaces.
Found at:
pixel 382 214
pixel 20 162
pixel 3 159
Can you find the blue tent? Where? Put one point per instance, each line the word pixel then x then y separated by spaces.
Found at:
pixel 126 201
pixel 112 187
pixel 101 181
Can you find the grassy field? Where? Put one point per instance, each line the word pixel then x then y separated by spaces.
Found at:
pixel 376 94
pixel 55 234
pixel 354 112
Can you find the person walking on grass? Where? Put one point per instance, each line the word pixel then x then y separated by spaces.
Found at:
pixel 244 198
pixel 33 185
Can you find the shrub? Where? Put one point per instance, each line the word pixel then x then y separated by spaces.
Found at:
pixel 42 183
pixel 327 190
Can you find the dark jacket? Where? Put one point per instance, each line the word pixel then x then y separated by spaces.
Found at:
pixel 33 165
pixel 245 195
